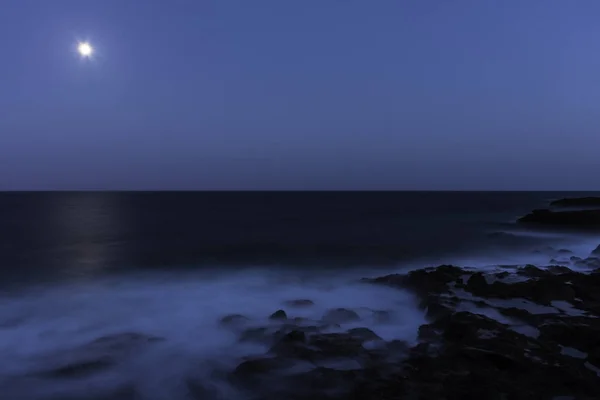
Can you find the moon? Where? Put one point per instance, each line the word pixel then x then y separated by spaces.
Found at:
pixel 85 49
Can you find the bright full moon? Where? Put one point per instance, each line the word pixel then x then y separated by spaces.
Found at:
pixel 85 49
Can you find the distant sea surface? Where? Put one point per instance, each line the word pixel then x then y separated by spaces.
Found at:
pixel 48 235
pixel 80 270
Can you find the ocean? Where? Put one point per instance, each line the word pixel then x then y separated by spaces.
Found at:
pixel 76 267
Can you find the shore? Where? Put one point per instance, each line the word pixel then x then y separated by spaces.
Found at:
pixel 514 331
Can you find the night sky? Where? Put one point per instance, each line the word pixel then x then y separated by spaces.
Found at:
pixel 311 94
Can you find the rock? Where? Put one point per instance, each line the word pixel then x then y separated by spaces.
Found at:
pixel 81 368
pixel 582 219
pixel 559 270
pixel 564 251
pixel 340 316
pixel 99 354
pixel 364 334
pixel 332 345
pixel 381 316
pixel 477 283
pixel 590 262
pixel 435 306
pixel 258 366
pixel 294 337
pixel 532 271
pixel 575 258
pixel 258 335
pixel 278 315
pixel 234 320
pixel 596 252
pixel 577 202
pixel 424 281
pixel 300 303
pixel 502 275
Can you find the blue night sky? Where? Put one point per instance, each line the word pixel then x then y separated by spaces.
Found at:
pixel 238 94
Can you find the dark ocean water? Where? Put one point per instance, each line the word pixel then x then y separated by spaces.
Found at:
pixel 63 231
pixel 77 266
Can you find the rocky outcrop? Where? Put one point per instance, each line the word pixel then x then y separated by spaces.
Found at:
pixel 577 202
pixel 460 354
pixel 579 220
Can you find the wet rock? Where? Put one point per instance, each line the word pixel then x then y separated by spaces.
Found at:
pixel 564 251
pixel 278 315
pixel 381 316
pixel 575 259
pixel 580 333
pixel 532 271
pixel 364 334
pixel 592 262
pixel 331 345
pixel 424 281
pixel 559 270
pixel 122 341
pixel 502 275
pixel 577 202
pixel 233 320
pixel 435 307
pixel 259 366
pixel 300 303
pixel 340 316
pixel 477 283
pixel 258 335
pixel 582 219
pixel 81 368
pixel 596 252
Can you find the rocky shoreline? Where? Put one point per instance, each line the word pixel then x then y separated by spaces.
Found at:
pixel 517 332
pixel 520 333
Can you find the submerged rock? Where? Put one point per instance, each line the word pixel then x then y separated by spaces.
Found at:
pixel 340 316
pixel 81 368
pixel 577 202
pixel 233 320
pixel 278 315
pixel 300 303
pixel 582 219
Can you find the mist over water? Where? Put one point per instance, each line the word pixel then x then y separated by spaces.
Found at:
pixel 71 278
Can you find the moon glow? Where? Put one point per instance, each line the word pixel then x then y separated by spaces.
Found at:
pixel 85 49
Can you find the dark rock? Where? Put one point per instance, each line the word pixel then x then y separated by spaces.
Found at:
pixel 364 334
pixel 577 202
pixel 340 316
pixel 300 303
pixel 477 283
pixel 519 313
pixel 575 258
pixel 590 262
pixel 234 320
pixel 81 368
pixel 258 335
pixel 332 345
pixel 435 307
pixel 580 333
pixel 381 316
pixel 532 271
pixel 596 252
pixel 582 219
pixel 423 281
pixel 257 366
pixel 502 275
pixel 564 251
pixel 559 270
pixel 278 315
pixel 294 337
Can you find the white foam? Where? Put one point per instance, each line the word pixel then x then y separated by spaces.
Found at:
pixel 185 310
